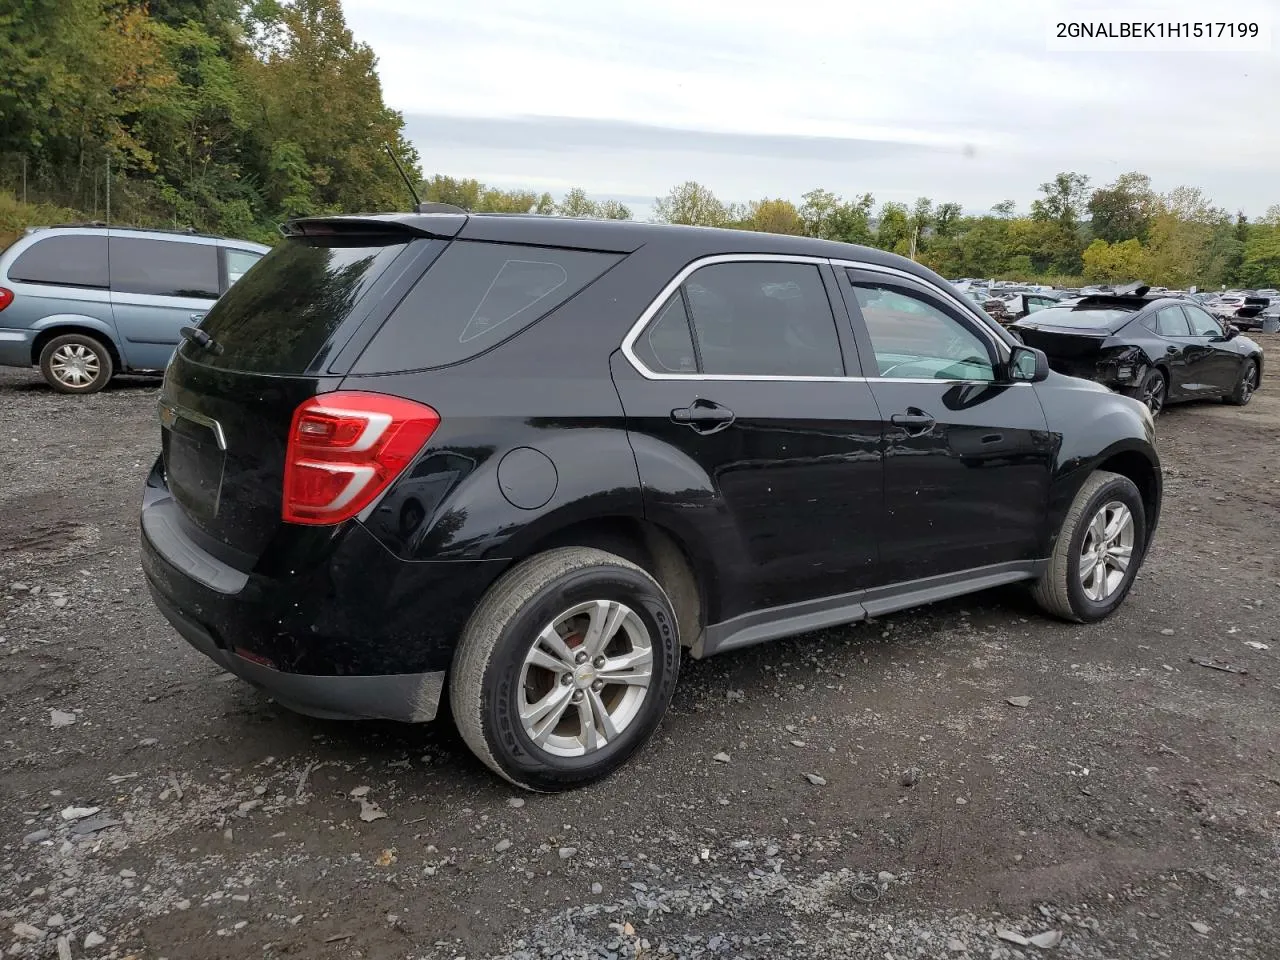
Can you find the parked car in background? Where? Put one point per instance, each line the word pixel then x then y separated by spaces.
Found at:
pixel 1241 310
pixel 87 302
pixel 1156 349
pixel 532 459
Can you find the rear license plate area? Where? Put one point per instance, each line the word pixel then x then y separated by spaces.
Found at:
pixel 194 462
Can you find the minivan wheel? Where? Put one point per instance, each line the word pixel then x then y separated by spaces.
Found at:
pixel 1098 551
pixel 76 363
pixel 565 668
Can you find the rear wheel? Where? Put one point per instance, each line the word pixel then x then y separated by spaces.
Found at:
pixel 76 363
pixel 1154 391
pixel 1098 551
pixel 565 668
pixel 1246 385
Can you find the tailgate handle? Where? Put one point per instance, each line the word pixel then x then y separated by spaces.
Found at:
pixel 169 412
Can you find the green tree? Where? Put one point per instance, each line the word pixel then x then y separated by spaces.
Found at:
pixel 893 226
pixel 1122 209
pixel 1063 200
pixel 691 203
pixel 1121 262
pixel 775 216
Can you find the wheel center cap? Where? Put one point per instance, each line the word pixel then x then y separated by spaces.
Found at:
pixel 584 676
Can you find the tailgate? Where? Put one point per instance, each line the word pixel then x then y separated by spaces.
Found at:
pixel 228 401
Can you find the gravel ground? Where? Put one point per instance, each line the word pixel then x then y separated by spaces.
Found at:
pixel 876 793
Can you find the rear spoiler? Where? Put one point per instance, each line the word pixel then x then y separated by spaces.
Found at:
pixel 438 221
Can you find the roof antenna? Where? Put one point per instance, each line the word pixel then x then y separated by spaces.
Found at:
pixel 405 177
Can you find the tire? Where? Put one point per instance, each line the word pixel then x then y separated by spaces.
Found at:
pixel 76 363
pixel 1154 391
pixel 489 682
pixel 1061 591
pixel 1246 385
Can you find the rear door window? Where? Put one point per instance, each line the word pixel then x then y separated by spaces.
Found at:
pixel 283 313
pixel 764 319
pixel 64 260
pixel 1172 322
pixel 164 268
pixel 474 296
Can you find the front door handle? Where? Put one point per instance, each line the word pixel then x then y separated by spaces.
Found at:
pixel 197 317
pixel 703 416
pixel 915 421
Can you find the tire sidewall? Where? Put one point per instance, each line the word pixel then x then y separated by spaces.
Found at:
pixel 1119 489
pixel 1156 374
pixel 106 368
pixel 1239 397
pixel 507 740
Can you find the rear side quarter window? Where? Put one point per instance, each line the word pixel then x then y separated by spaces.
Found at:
pixel 475 296
pixel 71 261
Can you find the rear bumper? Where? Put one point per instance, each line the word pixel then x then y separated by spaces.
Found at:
pixel 15 347
pixel 407 697
pixel 353 631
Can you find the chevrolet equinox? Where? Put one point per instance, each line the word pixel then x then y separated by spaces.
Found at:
pixel 532 462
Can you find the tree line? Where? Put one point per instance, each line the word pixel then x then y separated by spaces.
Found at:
pixel 231 116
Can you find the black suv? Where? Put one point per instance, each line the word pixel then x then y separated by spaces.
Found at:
pixel 532 460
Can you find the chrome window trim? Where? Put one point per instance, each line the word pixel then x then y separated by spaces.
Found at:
pixel 651 311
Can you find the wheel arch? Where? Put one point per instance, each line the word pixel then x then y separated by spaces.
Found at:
pixel 656 549
pixel 1138 467
pixel 84 327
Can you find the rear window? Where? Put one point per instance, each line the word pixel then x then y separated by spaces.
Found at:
pixel 1090 318
pixel 285 311
pixel 69 261
pixel 474 296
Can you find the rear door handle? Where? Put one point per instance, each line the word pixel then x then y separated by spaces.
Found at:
pixel 703 416
pixel 913 421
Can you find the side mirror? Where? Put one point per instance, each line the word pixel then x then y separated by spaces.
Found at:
pixel 1232 331
pixel 1027 365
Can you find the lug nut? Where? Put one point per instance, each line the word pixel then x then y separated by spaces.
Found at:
pixel 598 686
pixel 580 657
pixel 566 679
pixel 599 663
pixel 577 696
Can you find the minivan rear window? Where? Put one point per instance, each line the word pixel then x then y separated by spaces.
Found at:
pixel 285 311
pixel 474 296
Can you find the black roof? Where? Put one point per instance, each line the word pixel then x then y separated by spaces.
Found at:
pixel 1110 301
pixel 621 236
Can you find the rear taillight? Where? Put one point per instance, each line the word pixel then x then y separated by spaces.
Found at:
pixel 345 448
pixel 6 297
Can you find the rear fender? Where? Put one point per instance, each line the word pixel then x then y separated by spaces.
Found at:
pixel 70 323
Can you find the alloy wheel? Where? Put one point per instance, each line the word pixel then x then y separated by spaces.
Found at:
pixel 75 365
pixel 1153 395
pixel 585 678
pixel 1107 551
pixel 1249 383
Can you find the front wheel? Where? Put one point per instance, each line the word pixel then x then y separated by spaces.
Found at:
pixel 1098 551
pixel 1246 385
pixel 565 668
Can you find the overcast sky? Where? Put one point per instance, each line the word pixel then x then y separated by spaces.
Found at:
pixel 953 100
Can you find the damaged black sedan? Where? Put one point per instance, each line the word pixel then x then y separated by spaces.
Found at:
pixel 1155 348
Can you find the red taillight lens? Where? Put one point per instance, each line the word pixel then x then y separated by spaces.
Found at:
pixel 6 297
pixel 345 448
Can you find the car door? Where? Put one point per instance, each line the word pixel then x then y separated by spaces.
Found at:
pixel 754 431
pixel 158 287
pixel 1221 361
pixel 967 458
pixel 1174 349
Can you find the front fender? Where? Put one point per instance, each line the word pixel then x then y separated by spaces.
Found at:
pixel 1095 427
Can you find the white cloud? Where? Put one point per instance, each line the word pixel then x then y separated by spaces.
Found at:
pixel 971 86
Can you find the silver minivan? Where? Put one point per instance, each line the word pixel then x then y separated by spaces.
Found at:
pixel 87 302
